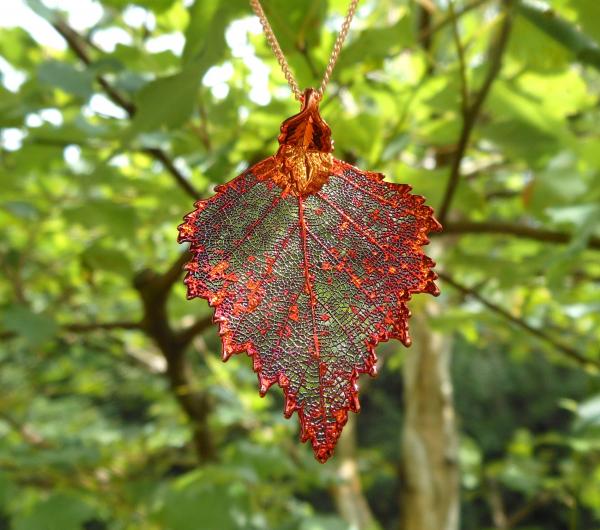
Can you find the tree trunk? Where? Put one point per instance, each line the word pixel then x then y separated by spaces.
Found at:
pixel 430 492
pixel 347 493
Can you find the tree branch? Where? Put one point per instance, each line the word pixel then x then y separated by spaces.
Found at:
pixel 564 349
pixel 462 64
pixel 197 328
pixel 424 20
pixel 154 290
pixel 496 503
pixel 494 59
pixel 26 431
pixel 302 49
pixel 517 230
pixel 105 326
pixel 347 491
pixel 168 164
pixel 78 45
pixel 85 327
pixel 424 33
pixel 173 273
pixel 522 513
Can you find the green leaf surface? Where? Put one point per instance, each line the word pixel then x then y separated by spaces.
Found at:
pixel 373 45
pixel 110 217
pixel 58 512
pixel 35 328
pixel 196 500
pixel 101 257
pixel 66 77
pixel 166 102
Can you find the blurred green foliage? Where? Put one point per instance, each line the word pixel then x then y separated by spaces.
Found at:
pixel 91 435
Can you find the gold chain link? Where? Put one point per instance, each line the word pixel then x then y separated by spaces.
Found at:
pixel 285 67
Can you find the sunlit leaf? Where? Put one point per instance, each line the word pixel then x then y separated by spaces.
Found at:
pixel 166 102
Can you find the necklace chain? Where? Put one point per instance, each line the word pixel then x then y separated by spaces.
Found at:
pixel 285 67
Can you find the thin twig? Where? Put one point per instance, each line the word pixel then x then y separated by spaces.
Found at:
pixel 462 64
pixel 525 511
pixel 154 290
pixel 496 503
pixel 13 275
pixel 494 59
pixel 79 47
pixel 169 165
pixel 86 327
pixel 202 129
pixel 424 16
pixel 427 32
pixel 565 349
pixel 173 273
pixel 26 431
pixel 518 230
pixel 308 59
pixel 102 326
pixel 195 402
pixel 197 328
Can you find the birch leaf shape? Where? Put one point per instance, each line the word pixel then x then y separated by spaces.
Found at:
pixel 309 263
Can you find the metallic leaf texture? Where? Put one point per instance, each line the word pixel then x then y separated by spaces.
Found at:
pixel 308 269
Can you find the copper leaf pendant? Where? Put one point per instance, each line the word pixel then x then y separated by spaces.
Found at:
pixel 309 263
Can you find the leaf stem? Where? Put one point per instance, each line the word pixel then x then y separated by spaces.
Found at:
pixel 494 59
pixel 560 347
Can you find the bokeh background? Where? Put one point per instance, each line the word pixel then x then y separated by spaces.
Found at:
pixel 116 411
